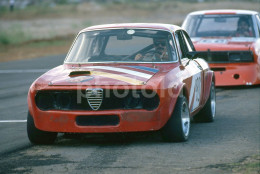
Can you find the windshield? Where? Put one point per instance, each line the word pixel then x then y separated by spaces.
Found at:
pixel 123 45
pixel 219 26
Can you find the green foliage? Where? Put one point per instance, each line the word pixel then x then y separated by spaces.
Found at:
pixel 61 1
pixel 62 9
pixel 4 40
pixel 248 165
pixel 46 43
pixel 13 35
pixel 3 10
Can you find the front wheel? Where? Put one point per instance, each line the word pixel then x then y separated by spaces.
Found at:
pixel 37 136
pixel 208 112
pixel 177 129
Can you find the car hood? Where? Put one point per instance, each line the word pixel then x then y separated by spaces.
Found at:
pixel 223 44
pixel 99 75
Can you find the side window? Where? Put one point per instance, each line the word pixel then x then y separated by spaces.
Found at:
pixel 178 45
pixel 188 42
pixel 182 44
pixel 258 23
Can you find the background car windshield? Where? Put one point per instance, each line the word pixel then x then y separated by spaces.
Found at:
pixel 118 45
pixel 217 25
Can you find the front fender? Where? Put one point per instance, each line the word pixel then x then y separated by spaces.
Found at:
pixel 179 89
pixel 30 99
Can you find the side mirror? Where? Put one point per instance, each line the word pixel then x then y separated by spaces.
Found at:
pixel 192 55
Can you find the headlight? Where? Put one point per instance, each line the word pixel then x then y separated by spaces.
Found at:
pixel 44 101
pixel 257 47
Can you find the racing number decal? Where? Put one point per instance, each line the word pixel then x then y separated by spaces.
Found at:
pixel 195 92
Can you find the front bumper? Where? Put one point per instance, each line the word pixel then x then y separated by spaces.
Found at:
pixel 129 121
pixel 236 74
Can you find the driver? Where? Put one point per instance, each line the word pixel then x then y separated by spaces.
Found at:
pixel 243 28
pixel 159 53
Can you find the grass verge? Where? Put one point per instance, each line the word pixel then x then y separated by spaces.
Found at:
pixel 36 48
pixel 248 165
pixel 13 35
pixel 20 29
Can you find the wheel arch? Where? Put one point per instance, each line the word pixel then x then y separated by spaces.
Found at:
pixel 182 90
pixel 175 130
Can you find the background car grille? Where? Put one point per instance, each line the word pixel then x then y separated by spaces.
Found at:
pixel 77 100
pixel 226 56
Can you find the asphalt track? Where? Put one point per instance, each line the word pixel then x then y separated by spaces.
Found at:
pixel 231 138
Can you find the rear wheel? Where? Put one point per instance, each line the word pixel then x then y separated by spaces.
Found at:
pixel 177 128
pixel 37 136
pixel 208 112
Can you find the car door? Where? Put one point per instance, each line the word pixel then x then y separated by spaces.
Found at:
pixel 193 77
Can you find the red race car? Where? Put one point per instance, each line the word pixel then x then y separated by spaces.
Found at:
pixel 229 41
pixel 123 78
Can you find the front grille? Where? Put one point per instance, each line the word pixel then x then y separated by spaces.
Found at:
pixel 226 56
pixel 111 100
pixel 97 120
pixel 218 69
pixel 94 98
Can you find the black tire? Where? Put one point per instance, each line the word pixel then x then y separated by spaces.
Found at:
pixel 208 112
pixel 37 136
pixel 177 129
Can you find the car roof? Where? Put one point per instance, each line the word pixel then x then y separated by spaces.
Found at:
pixel 155 26
pixel 223 11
